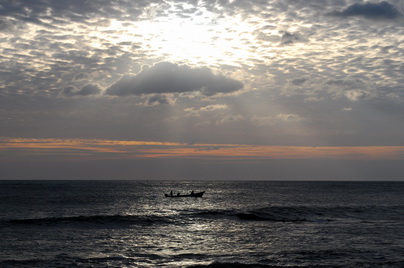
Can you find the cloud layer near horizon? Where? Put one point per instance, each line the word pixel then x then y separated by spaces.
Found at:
pixel 80 149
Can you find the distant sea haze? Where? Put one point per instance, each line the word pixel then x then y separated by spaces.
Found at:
pixel 234 224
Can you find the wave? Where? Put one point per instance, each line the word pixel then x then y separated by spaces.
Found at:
pixel 354 263
pixel 254 217
pixel 231 265
pixel 94 219
pixel 274 214
pixel 285 214
pixel 317 214
pixel 258 265
pixel 64 260
pixel 114 262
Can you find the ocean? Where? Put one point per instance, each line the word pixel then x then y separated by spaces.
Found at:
pixel 234 224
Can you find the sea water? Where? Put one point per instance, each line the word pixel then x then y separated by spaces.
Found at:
pixel 234 224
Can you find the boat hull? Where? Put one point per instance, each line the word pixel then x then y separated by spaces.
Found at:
pixel 200 194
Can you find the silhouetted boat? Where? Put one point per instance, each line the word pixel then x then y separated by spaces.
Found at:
pixel 199 194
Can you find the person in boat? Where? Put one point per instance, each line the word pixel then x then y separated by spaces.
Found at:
pixel 171 193
pixel 178 194
pixel 192 193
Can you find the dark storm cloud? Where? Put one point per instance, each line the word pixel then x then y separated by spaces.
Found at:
pixel 167 77
pixel 71 91
pixel 382 10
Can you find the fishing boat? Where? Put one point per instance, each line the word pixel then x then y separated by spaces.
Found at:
pixel 192 194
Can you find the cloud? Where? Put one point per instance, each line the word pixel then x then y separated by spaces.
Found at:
pixel 290 38
pixel 167 77
pixel 81 77
pixel 214 107
pixel 299 81
pixel 279 118
pixel 153 100
pixel 209 108
pixel 290 117
pixel 351 89
pixel 71 91
pixel 284 53
pixel 74 10
pixel 356 94
pixel 228 119
pixel 381 10
pixel 80 149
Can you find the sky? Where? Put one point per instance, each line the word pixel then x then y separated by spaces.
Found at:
pixel 198 89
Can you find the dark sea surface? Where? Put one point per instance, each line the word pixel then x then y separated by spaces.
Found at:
pixel 235 224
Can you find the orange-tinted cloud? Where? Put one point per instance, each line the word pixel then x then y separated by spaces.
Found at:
pixel 282 152
pixel 96 148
